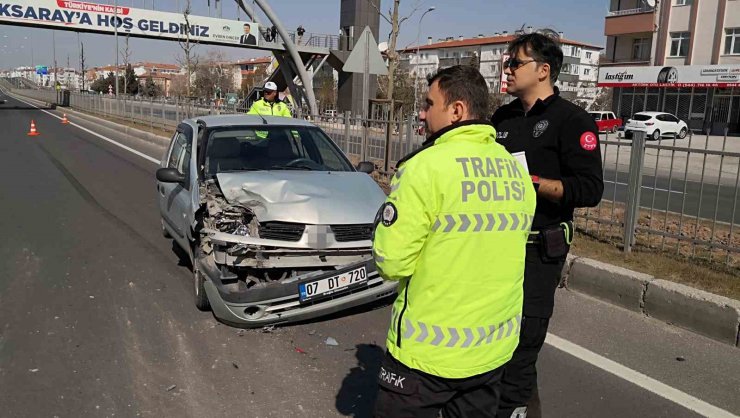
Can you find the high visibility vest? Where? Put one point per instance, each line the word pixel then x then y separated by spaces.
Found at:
pixel 453 232
pixel 265 108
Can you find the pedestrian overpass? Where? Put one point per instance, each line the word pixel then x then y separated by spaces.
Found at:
pixel 299 57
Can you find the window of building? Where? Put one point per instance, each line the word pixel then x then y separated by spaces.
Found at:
pixel 588 55
pixel 684 2
pixel 680 44
pixel 641 49
pixel 587 71
pixel 732 41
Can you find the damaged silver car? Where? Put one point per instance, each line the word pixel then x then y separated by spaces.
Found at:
pixel 275 219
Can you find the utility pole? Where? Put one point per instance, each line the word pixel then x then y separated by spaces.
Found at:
pixel 54 47
pixel 416 71
pixel 115 28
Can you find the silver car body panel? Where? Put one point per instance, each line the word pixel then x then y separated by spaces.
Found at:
pixel 308 197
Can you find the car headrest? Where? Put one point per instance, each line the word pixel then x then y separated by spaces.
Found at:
pixel 225 148
pixel 279 146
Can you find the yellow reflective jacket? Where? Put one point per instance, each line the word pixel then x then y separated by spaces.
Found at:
pixel 265 108
pixel 453 232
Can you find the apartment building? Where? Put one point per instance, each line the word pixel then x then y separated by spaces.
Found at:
pixel 577 79
pixel 677 56
pixel 68 78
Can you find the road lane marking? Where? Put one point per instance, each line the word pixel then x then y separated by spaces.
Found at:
pixel 651 385
pixel 103 137
pixel 647 383
pixel 644 187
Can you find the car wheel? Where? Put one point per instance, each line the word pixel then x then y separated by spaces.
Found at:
pixel 201 298
pixel 656 135
pixel 164 230
pixel 683 133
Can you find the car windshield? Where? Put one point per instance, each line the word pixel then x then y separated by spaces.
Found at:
pixel 642 117
pixel 237 148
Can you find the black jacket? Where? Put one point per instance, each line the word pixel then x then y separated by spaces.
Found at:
pixel 561 142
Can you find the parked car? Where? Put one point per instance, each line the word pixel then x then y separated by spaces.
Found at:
pixel 275 219
pixel 656 125
pixel 606 121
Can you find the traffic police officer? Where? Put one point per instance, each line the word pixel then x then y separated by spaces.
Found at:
pixel 561 146
pixel 453 232
pixel 270 104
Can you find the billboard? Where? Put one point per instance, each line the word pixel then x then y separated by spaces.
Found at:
pixel 102 18
pixel 42 70
pixel 721 76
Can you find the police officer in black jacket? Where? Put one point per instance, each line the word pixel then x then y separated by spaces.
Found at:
pixel 561 146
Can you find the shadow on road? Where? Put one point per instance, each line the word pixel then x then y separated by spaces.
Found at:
pixel 359 388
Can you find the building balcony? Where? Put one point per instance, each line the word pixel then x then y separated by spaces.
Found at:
pixel 625 22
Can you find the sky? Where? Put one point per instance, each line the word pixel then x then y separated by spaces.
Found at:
pixel 19 46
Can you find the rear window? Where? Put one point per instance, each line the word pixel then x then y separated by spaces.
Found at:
pixel 642 117
pixel 596 116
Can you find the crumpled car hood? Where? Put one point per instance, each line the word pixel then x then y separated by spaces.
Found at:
pixel 308 197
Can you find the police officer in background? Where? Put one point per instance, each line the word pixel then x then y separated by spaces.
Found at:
pixel 453 233
pixel 561 145
pixel 270 104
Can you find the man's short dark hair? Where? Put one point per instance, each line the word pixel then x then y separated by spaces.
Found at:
pixel 466 84
pixel 248 25
pixel 543 46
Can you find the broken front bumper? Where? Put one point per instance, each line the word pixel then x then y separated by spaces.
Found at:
pixel 279 303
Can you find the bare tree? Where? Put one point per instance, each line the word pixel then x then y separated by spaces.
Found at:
pixel 393 18
pixel 126 55
pixel 189 59
pixel 214 75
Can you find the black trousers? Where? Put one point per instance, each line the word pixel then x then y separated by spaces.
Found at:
pixel 409 393
pixel 519 382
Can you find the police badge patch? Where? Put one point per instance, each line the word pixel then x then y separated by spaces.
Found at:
pixel 540 128
pixel 389 215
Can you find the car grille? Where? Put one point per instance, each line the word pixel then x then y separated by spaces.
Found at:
pixel 281 231
pixel 348 233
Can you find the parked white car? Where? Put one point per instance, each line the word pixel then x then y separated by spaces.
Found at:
pixel 656 125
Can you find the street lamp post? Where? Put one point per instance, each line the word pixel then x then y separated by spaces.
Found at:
pixel 115 28
pixel 416 71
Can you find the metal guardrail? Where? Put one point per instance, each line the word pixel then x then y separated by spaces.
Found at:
pixel 676 195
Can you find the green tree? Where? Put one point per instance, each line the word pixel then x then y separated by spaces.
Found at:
pixel 131 81
pixel 101 85
pixel 151 89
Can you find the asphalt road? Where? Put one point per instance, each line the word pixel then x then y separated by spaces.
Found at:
pixel 97 319
pixel 678 196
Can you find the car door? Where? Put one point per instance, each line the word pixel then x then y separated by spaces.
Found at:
pixel 174 199
pixel 675 124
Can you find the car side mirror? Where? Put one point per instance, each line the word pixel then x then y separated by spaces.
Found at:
pixel 170 175
pixel 366 167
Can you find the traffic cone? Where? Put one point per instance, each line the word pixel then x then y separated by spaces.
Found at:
pixel 33 132
pixel 64 120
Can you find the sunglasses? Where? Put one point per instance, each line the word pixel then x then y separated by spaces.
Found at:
pixel 514 63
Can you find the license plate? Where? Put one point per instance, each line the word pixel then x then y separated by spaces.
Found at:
pixel 329 285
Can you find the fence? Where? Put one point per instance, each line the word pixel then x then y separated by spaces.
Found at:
pixel 676 195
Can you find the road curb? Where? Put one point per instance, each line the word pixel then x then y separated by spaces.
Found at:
pixel 708 314
pixel 614 284
pixel 704 313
